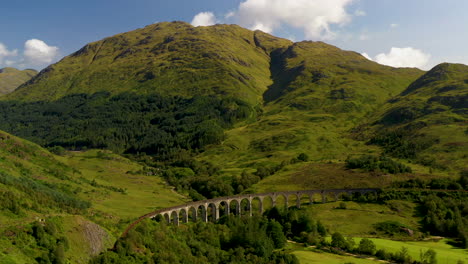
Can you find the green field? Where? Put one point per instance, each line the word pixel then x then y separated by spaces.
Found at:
pixel 306 256
pixel 446 254
pixel 358 218
pixel 311 256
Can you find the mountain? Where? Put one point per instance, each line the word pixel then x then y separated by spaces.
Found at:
pixel 122 124
pixel 427 122
pixel 11 78
pixel 168 58
pixel 222 98
pixel 226 60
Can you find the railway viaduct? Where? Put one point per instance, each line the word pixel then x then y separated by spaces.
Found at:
pixel 211 209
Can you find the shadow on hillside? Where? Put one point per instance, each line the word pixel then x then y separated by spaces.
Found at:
pixel 282 76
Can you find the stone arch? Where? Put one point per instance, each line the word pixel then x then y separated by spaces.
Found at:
pixel 224 209
pixel 183 216
pixel 328 196
pixel 234 206
pixel 202 213
pixel 212 212
pixel 245 206
pixel 192 214
pixel 267 202
pixel 281 201
pixel 305 198
pixel 293 200
pixel 343 195
pixel 316 197
pixel 355 194
pixel 257 205
pixel 159 218
pixel 175 217
pixel 167 217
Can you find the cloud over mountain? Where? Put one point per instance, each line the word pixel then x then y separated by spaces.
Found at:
pixel 204 19
pixel 404 57
pixel 314 17
pixel 4 52
pixel 37 52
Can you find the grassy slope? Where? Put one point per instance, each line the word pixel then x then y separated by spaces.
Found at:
pixel 357 221
pixel 170 58
pixel 312 93
pixel 11 78
pixel 143 193
pixel 111 210
pixel 436 105
pixel 330 92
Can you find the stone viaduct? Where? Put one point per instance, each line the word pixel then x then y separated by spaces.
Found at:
pixel 249 204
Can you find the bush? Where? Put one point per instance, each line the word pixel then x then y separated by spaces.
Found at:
pixel 373 163
pixel 342 205
pixel 366 246
pixel 339 241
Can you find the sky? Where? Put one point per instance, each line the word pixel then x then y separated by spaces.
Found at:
pixel 399 33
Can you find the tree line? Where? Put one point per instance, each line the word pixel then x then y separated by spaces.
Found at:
pixel 126 123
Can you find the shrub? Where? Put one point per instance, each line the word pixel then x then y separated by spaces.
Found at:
pixel 374 163
pixel 366 246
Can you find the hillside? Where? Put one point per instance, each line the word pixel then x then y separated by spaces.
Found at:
pixel 209 104
pixel 427 122
pixel 11 78
pixel 167 58
pixel 73 205
pixel 145 119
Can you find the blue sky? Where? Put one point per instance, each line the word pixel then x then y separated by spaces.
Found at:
pixel 420 33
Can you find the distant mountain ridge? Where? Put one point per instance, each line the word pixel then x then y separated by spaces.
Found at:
pixel 11 78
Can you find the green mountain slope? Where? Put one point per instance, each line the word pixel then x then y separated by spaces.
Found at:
pixel 71 206
pixel 427 122
pixel 221 96
pixel 11 78
pixel 319 94
pixel 323 78
pixel 168 58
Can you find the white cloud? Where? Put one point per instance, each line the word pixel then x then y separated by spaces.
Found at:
pixel 404 57
pixel 360 13
pixel 394 25
pixel 37 52
pixel 230 14
pixel 314 17
pixel 204 19
pixel 4 52
pixel 366 56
